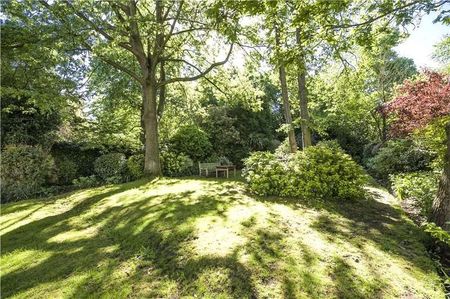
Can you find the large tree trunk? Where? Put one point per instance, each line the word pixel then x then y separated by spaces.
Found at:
pixel 441 205
pixel 303 97
pixel 285 97
pixel 152 166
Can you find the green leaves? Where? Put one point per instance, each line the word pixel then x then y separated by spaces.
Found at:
pixel 322 172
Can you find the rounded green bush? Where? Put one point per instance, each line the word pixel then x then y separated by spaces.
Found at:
pixel 191 141
pixel 176 164
pixel 110 167
pixel 323 171
pixel 265 174
pixel 135 166
pixel 25 170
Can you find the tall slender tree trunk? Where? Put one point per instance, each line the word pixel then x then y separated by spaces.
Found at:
pixel 441 205
pixel 303 97
pixel 152 164
pixel 285 97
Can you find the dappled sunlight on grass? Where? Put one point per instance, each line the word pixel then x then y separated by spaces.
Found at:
pixel 209 238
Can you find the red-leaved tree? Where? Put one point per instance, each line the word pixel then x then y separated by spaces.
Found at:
pixel 418 103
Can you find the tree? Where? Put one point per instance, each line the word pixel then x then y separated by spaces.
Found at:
pixel 39 89
pixel 144 39
pixel 441 53
pixel 285 95
pixel 331 29
pixel 419 103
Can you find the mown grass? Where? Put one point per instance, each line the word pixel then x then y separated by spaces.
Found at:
pixel 208 238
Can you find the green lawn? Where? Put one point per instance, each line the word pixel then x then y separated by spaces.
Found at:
pixel 209 238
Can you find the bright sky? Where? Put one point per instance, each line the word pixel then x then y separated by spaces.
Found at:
pixel 419 45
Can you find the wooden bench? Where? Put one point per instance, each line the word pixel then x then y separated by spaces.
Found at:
pixel 207 167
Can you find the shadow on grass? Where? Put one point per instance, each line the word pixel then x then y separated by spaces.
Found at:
pixel 152 231
pixel 151 236
pixel 366 220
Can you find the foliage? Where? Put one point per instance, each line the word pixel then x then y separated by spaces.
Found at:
pixel 66 170
pixel 419 102
pixel 265 173
pixel 235 130
pixel 83 157
pixel 111 167
pixel 437 232
pixel 224 161
pixel 283 148
pixel 175 165
pixel 432 137
pixel 191 141
pixel 441 53
pixel 86 182
pixel 421 187
pixel 135 166
pixel 25 169
pixel 24 123
pixel 323 171
pixel 396 156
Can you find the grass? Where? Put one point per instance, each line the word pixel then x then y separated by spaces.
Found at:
pixel 208 238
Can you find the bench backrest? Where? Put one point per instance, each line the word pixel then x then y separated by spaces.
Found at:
pixel 209 166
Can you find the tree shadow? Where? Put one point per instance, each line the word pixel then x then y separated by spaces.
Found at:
pixel 366 220
pixel 155 230
pixel 153 236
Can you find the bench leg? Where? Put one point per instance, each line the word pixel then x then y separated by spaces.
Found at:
pixel 217 174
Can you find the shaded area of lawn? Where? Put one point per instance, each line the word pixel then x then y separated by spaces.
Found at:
pixel 209 238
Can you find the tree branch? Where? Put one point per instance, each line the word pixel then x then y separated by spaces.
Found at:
pixel 201 73
pixel 109 61
pixel 373 19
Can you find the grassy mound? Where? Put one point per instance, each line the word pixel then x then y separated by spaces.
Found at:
pixel 209 238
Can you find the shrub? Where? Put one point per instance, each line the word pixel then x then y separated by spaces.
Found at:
pixel 84 158
pixel 191 141
pixel 437 233
pixel 176 164
pixel 135 166
pixel 318 172
pixel 421 187
pixel 265 173
pixel 111 167
pixel 65 170
pixel 86 182
pixel 224 161
pixel 325 171
pixel 398 156
pixel 25 170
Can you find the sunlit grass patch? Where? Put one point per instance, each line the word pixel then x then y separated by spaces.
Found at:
pixel 209 238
